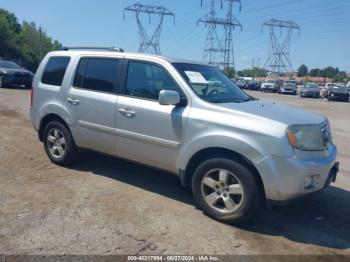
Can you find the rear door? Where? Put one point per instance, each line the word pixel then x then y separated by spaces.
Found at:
pixel 147 131
pixel 92 102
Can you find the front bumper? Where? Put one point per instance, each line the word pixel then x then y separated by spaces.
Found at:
pixel 14 80
pixel 287 178
pixel 269 89
pixel 339 96
pixel 309 94
pixel 284 91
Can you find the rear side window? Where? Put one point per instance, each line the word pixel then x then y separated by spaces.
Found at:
pixel 97 74
pixel 54 71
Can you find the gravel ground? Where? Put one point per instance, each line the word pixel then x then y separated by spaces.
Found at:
pixel 108 206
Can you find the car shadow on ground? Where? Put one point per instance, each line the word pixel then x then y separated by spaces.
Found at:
pixel 321 219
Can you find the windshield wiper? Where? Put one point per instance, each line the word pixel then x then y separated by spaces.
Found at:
pixel 250 99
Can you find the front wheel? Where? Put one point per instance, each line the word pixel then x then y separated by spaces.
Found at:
pixel 1 82
pixel 226 190
pixel 59 144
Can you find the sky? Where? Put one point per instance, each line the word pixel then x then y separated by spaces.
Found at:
pixel 324 38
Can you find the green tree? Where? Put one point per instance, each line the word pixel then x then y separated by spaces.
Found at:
pixel 315 72
pixel 329 72
pixel 341 77
pixel 229 72
pixel 302 70
pixel 9 34
pixel 22 42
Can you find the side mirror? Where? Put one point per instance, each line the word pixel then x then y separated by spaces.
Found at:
pixel 169 97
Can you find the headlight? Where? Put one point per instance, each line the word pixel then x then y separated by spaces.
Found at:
pixel 306 137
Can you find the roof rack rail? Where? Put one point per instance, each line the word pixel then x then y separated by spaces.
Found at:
pixel 112 49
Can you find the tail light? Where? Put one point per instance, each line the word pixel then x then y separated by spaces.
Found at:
pixel 31 96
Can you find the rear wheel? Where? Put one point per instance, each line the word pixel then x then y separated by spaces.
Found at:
pixel 1 82
pixel 226 190
pixel 59 144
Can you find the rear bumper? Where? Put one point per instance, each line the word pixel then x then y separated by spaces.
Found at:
pixel 287 178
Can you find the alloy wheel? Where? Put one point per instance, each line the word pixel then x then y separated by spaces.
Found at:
pixel 222 190
pixel 56 143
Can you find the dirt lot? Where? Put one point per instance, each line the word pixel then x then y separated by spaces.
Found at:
pixel 108 206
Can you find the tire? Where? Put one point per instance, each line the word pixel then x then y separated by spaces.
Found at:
pixel 238 208
pixel 1 83
pixel 53 134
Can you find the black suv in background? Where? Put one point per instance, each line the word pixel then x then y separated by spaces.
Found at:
pixel 12 74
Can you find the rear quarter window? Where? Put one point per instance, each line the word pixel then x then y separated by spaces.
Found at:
pixel 55 70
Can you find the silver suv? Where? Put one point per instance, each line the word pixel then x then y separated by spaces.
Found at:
pixel 235 151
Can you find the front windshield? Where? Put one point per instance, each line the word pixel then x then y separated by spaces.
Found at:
pixel 9 65
pixel 311 86
pixel 210 84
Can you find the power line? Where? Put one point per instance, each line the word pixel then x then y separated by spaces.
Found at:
pixel 278 60
pixel 218 50
pixel 149 44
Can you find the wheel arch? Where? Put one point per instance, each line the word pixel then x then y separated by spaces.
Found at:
pixel 211 152
pixel 47 119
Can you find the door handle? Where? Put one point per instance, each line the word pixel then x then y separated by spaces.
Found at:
pixel 127 112
pixel 72 101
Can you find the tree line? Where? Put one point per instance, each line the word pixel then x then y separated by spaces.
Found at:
pixel 23 43
pixel 255 72
pixel 328 72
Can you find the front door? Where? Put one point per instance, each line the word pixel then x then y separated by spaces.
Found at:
pixel 148 132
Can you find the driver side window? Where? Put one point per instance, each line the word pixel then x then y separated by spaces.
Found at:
pixel 146 80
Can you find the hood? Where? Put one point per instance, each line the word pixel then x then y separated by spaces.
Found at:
pixel 339 90
pixel 289 87
pixel 311 89
pixel 268 84
pixel 277 112
pixel 11 70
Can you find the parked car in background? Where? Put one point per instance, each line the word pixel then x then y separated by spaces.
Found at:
pixel 269 86
pixel 326 88
pixel 291 81
pixel 338 93
pixel 310 90
pixel 242 84
pixel 253 85
pixel 288 88
pixel 12 74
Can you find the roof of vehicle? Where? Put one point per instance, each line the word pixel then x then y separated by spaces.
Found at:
pixel 118 52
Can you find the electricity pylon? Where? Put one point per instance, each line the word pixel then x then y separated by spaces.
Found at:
pixel 218 49
pixel 279 60
pixel 149 44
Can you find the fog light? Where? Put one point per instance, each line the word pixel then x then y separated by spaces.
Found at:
pixel 311 181
pixel 307 182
